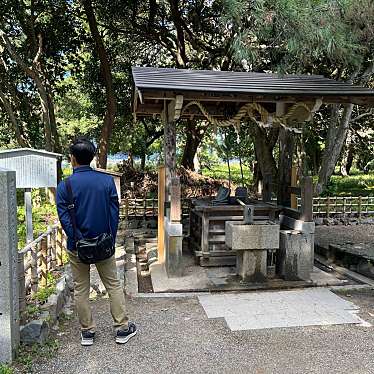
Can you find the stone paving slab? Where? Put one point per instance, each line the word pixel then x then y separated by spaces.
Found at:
pixel 266 310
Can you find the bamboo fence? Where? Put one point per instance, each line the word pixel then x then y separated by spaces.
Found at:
pixel 37 259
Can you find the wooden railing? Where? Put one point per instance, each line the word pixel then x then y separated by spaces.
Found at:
pixel 146 208
pixel 37 259
pixel 322 206
pixel 345 205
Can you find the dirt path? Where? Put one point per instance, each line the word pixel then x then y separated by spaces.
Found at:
pixel 175 336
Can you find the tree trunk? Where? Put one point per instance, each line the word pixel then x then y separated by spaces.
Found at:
pixel 142 161
pixel 111 102
pixel 350 157
pixel 336 137
pixel 348 154
pixel 22 142
pixel 35 73
pixel 194 136
pixel 286 148
pixel 264 153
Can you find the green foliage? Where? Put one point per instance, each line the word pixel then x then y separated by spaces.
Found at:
pixel 32 310
pixel 42 216
pixel 28 354
pixel 5 369
pixel 41 296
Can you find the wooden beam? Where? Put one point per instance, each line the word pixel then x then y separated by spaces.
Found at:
pixel 174 108
pixel 245 97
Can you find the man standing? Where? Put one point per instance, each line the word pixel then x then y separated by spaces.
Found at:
pixel 96 211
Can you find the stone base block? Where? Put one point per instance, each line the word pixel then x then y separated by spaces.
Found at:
pixel 259 235
pixel 251 265
pixel 36 331
pixel 173 243
pixel 294 260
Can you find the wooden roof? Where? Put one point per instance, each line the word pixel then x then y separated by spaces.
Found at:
pixel 224 91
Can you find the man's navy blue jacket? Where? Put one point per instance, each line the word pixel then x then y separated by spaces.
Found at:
pixel 95 203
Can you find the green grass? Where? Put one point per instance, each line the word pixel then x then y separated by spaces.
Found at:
pixel 5 369
pixel 29 354
pixel 352 185
pixel 220 171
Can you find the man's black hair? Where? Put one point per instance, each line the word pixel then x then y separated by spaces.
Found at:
pixel 83 150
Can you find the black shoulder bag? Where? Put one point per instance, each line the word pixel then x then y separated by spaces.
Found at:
pixel 90 251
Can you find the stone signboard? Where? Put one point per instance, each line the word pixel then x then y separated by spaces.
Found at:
pixel 9 303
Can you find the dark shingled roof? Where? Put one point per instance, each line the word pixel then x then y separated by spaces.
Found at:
pixel 227 82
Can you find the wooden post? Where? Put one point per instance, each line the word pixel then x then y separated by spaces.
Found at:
pixel 170 139
pixel 145 209
pixel 328 207
pixel 59 246
pixel 359 206
pixel 34 268
pixel 161 214
pixel 266 188
pixel 21 285
pixel 43 263
pixel 306 199
pixel 293 184
pixel 28 214
pixel 53 246
pixel 175 205
pixel 127 209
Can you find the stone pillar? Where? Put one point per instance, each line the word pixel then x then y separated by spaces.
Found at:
pixel 251 265
pixel 9 303
pixel 174 232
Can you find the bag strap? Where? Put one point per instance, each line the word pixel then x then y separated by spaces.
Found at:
pixel 71 207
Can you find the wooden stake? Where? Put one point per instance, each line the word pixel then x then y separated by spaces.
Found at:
pixel 306 199
pixel 293 184
pixel 59 247
pixel 43 264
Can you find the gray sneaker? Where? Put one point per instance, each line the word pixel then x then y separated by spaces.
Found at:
pixel 87 338
pixel 123 336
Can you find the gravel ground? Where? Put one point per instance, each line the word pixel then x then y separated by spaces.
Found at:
pixel 326 235
pixel 175 336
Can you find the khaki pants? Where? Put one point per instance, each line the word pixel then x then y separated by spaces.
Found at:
pixel 108 273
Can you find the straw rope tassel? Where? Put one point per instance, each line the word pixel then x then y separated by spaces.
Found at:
pixel 247 110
